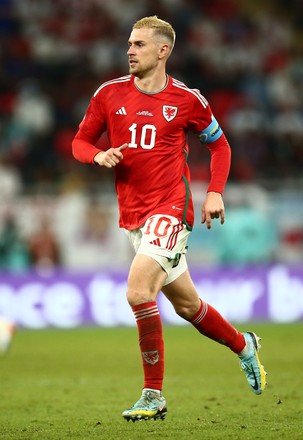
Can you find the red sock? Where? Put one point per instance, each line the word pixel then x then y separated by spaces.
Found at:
pixel 210 323
pixel 151 343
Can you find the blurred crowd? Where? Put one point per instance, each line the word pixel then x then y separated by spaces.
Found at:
pixel 245 56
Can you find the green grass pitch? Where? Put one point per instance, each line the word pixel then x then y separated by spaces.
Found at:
pixel 74 384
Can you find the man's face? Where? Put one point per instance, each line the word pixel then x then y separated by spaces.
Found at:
pixel 143 52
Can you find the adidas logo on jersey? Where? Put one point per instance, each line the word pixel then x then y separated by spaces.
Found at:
pixel 121 111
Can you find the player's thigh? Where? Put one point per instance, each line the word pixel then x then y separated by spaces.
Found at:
pixel 145 279
pixel 183 295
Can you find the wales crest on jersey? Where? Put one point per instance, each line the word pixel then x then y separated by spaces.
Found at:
pixel 169 112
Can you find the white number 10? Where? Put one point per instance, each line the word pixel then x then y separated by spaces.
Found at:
pixel 143 144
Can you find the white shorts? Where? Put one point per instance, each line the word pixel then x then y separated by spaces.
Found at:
pixel 164 238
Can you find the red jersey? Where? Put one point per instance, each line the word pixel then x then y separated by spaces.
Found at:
pixel 153 177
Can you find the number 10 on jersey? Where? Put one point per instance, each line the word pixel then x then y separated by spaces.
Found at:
pixel 148 136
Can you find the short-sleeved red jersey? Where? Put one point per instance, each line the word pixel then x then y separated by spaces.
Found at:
pixel 153 177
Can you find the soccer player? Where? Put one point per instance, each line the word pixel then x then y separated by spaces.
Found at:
pixel 147 115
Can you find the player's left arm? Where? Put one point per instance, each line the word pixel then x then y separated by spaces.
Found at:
pixel 214 138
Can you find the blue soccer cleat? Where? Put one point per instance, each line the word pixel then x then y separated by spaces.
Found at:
pixel 251 365
pixel 151 405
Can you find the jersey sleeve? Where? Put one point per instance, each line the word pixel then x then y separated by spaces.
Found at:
pixel 206 127
pixel 90 130
pixel 200 114
pixel 220 164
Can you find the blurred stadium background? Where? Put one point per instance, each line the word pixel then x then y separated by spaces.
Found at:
pixel 63 260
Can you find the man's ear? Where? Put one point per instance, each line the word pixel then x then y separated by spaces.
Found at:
pixel 164 51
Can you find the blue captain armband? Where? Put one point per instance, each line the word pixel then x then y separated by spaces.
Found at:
pixel 210 133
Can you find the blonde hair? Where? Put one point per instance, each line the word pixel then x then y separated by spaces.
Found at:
pixel 161 28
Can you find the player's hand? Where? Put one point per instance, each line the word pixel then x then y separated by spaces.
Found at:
pixel 111 157
pixel 213 207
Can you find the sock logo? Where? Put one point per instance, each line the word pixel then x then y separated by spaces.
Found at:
pixel 151 357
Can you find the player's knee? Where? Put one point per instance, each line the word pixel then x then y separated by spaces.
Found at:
pixel 186 311
pixel 135 297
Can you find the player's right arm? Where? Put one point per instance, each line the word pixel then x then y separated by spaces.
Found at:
pixel 90 129
pixel 110 158
pixel 84 150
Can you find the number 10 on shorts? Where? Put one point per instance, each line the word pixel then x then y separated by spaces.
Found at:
pixel 163 230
